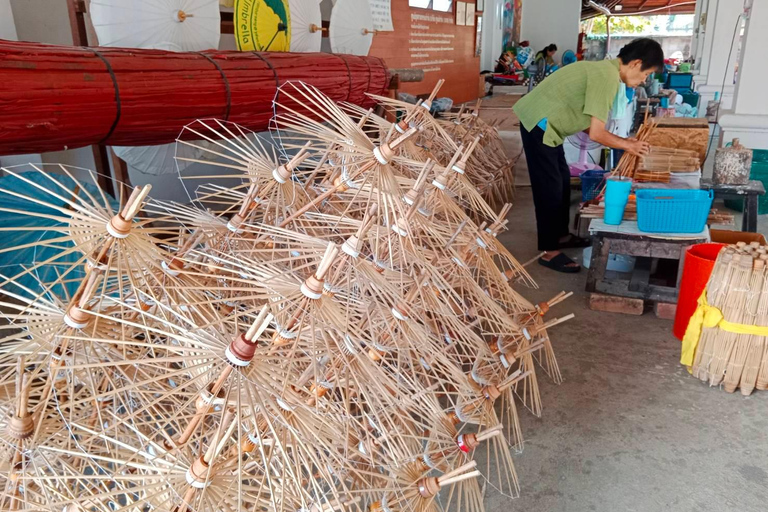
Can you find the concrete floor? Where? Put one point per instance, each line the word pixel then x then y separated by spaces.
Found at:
pixel 629 429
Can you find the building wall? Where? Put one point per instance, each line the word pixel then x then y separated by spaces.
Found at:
pixel 551 21
pixel 450 54
pixel 7 26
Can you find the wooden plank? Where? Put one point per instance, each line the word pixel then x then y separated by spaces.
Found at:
pixel 641 275
pixel 612 304
pixel 631 247
pixel 76 10
pixel 749 219
pixel 620 287
pixel 103 170
pixel 598 263
pixel 120 174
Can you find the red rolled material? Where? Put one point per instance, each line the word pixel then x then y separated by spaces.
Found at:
pixel 64 97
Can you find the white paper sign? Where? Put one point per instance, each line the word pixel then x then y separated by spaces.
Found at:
pixel 461 13
pixel 382 15
pixel 470 18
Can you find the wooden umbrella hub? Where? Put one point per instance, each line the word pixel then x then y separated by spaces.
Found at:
pixel 491 392
pixel 441 182
pixel 429 487
pixel 281 174
pixel 198 474
pixel 312 288
pixel 340 184
pixel 283 336
pixel 118 227
pixel 383 153
pixel 402 126
pixel 240 351
pixel 77 318
pixel 235 222
pixel 21 428
pixel 507 358
pixel 400 226
pixel 467 442
pixel 350 246
pixel 173 267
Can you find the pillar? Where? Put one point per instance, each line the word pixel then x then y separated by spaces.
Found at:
pixel 716 66
pixel 698 32
pixel 748 119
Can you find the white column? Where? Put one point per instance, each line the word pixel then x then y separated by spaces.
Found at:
pixel 696 30
pixel 704 46
pixel 719 67
pixel 748 119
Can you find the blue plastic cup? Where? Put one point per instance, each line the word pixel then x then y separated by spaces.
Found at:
pixel 616 197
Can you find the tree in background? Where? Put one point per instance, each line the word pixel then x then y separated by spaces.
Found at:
pixel 619 25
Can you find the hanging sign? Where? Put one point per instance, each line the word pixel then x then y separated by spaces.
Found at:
pixel 262 25
pixel 381 12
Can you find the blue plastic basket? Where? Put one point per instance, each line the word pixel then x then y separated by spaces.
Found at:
pixel 590 184
pixel 673 210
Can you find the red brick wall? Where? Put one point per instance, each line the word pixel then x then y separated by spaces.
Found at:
pixel 461 75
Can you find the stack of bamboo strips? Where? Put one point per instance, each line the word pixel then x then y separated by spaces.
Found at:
pixel 597 211
pixel 335 330
pixel 660 162
pixel 738 287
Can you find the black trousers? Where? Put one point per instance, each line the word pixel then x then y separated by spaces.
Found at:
pixel 551 186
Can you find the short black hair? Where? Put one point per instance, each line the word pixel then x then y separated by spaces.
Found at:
pixel 645 49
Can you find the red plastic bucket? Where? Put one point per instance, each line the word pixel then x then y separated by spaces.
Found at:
pixel 699 261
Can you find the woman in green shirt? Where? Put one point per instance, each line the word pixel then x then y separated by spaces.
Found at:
pixel 575 98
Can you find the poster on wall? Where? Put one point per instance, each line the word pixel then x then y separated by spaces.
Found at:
pixel 262 25
pixel 511 24
pixel 381 11
pixel 431 40
pixel 470 17
pixel 461 13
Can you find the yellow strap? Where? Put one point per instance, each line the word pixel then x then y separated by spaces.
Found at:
pixel 709 316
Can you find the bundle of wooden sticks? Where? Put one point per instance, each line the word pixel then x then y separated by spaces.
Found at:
pixel 738 288
pixel 331 325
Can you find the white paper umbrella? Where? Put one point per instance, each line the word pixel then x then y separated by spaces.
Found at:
pixel 306 23
pixel 153 159
pixel 192 25
pixel 351 27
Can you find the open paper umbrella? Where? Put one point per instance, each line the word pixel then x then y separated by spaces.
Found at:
pixel 19 199
pixel 173 25
pixel 263 25
pixel 155 160
pixel 191 25
pixel 351 27
pixel 306 22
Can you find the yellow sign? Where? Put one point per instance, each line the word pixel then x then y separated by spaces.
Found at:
pixel 262 25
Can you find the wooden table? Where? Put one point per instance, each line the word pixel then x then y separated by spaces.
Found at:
pixel 749 193
pixel 645 249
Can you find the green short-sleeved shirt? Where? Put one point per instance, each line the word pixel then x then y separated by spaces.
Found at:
pixel 569 98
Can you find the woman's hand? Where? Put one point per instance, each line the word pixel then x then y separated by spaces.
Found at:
pixel 636 147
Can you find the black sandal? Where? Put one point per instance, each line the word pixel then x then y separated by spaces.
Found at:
pixel 575 242
pixel 560 264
